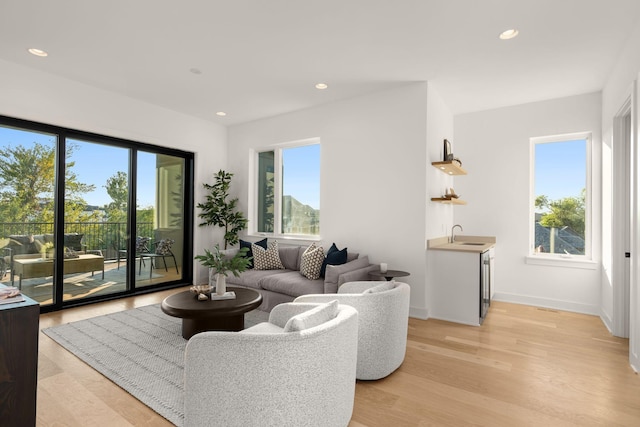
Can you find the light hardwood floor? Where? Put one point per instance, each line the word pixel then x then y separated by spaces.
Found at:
pixel 524 366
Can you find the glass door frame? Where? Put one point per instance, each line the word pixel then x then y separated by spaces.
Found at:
pixel 64 134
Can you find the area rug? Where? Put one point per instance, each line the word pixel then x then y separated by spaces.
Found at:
pixel 140 350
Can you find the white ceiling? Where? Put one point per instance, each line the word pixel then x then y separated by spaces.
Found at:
pixel 260 58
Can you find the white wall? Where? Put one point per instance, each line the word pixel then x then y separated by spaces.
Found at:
pixel 33 95
pixel 373 179
pixel 494 146
pixel 619 86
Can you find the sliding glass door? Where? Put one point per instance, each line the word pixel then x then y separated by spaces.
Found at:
pixel 159 218
pixel 96 200
pixel 85 217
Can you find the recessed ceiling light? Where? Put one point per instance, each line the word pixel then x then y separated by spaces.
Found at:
pixel 508 34
pixel 221 113
pixel 37 52
pixel 321 86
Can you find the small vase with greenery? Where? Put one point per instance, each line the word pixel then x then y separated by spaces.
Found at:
pixel 220 210
pixel 222 265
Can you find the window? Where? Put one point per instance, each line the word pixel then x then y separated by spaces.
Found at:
pixel 561 196
pixel 287 196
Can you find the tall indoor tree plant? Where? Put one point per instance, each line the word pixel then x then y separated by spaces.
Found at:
pixel 220 210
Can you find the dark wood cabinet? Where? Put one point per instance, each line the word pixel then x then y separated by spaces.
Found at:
pixel 18 362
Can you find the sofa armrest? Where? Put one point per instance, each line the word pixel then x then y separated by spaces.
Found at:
pixel 281 313
pixel 359 275
pixel 334 274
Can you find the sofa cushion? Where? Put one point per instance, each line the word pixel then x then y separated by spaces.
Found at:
pixel 290 257
pixel 244 244
pixel 292 284
pixel 311 318
pixel 251 278
pixel 311 262
pixel 386 286
pixel 334 256
pixel 73 241
pixel 266 259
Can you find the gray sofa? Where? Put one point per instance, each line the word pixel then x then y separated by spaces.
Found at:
pixel 279 286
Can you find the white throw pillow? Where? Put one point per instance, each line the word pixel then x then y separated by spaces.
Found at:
pixel 314 317
pixel 266 259
pixel 386 286
pixel 311 262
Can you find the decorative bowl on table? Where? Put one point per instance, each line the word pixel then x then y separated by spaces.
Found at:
pixel 203 290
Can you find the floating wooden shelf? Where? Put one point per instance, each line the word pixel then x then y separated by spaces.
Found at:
pixel 450 167
pixel 448 201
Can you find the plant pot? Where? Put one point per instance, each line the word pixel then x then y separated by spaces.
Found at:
pixel 221 284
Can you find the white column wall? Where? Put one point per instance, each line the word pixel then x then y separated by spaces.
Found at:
pixel 33 95
pixel 494 146
pixel 621 84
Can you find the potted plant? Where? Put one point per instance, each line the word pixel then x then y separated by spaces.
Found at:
pixel 221 265
pixel 220 211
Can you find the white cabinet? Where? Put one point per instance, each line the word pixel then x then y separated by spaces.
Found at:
pixel 457 288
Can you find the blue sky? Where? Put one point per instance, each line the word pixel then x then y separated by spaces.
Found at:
pixel 95 163
pixel 560 169
pixel 302 174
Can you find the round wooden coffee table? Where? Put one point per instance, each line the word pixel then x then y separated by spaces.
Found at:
pixel 220 315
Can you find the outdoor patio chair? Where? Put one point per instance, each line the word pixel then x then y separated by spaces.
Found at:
pixel 162 249
pixel 142 246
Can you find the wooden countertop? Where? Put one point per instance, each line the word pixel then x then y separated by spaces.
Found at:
pixel 477 244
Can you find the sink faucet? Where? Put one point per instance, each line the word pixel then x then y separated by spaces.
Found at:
pixel 453 237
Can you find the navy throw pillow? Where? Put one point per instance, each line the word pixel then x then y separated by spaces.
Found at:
pixel 334 256
pixel 244 244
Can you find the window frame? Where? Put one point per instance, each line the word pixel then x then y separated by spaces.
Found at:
pixel 253 202
pixel 557 259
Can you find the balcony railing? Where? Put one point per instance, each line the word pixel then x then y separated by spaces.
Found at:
pixel 109 237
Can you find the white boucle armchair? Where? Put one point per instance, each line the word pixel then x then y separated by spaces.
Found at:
pixel 264 376
pixel 383 318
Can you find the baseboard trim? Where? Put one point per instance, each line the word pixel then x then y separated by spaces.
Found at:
pixel 419 313
pixel 548 303
pixel 608 322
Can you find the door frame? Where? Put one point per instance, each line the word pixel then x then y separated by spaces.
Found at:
pixel 621 217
